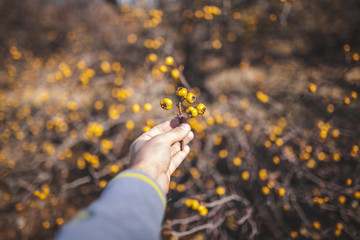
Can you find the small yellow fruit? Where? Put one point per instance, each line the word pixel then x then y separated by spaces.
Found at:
pixel 163 69
pixel 190 98
pixel 166 103
pixel 201 208
pixel 175 73
pixel 281 192
pixel 220 191
pixel 201 108
pixel 265 190
pixel 152 57
pixel 316 225
pixel 135 108
pixel 245 175
pixel 195 204
pixel 203 212
pixel 191 112
pixel 181 92
pixel 146 128
pixel 263 174
pixel 147 107
pixel 189 202
pixel 357 194
pixel 169 60
pixel 312 87
pixel 341 199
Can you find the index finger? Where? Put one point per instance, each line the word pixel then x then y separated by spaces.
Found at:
pixel 161 128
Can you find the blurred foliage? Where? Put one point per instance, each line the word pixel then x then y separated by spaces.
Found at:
pixel 275 157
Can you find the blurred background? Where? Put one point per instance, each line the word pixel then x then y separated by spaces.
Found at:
pixel 276 156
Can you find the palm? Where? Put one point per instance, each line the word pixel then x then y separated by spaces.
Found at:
pixel 156 154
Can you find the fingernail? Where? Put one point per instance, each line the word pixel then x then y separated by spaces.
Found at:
pixel 185 126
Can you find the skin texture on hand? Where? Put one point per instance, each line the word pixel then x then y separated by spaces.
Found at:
pixel 157 151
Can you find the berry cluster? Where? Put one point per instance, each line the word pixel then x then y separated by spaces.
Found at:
pixel 196 205
pixel 190 98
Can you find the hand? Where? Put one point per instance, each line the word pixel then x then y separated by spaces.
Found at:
pixel 157 151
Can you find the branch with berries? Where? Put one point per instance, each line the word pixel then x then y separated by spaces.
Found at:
pixel 186 99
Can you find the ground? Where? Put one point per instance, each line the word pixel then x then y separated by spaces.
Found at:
pixel 275 156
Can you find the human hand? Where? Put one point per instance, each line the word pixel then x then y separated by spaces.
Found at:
pixel 157 151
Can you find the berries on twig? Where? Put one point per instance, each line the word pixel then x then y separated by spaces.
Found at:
pixel 166 103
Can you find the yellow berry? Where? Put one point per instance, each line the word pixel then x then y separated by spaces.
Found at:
pixel 175 73
pixel 271 184
pixel 201 208
pixel 147 107
pixel 102 183
pixel 163 68
pixel 287 207
pixel 59 221
pixel 129 124
pixel 166 103
pixel 135 108
pixel 276 160
pixel 281 192
pixel 46 224
pixel 316 225
pixel 201 108
pixel 189 202
pixel 169 60
pixel 204 212
pixel 263 174
pixel 357 194
pixel 248 127
pixel 172 185
pixel 223 153
pixel 237 161
pixel 181 92
pixel 262 97
pixel 337 232
pixel 336 156
pixel 312 87
pixel 146 128
pixel 265 190
pixel 152 57
pixel 245 175
pixel 294 234
pixel 342 199
pixel 220 191
pixel 354 95
pixel 339 226
pixel 191 112
pixel 190 98
pixel 195 204
pixel 335 133
pixel 348 181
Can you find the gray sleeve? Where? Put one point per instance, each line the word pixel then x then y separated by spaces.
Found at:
pixel 131 207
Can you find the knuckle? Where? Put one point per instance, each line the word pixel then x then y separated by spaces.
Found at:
pixel 158 139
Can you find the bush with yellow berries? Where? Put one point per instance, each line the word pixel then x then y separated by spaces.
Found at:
pixel 275 158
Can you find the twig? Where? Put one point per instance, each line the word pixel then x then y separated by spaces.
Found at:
pixel 183 221
pixel 285 14
pixel 227 199
pixel 211 225
pixel 76 183
pixel 244 218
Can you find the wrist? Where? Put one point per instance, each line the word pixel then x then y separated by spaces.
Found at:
pixel 161 179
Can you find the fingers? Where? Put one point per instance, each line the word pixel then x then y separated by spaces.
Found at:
pixel 177 134
pixel 177 159
pixel 160 129
pixel 176 147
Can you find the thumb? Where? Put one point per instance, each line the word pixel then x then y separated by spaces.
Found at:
pixel 177 134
